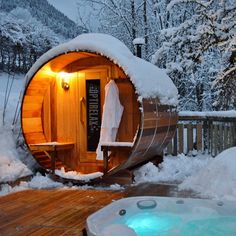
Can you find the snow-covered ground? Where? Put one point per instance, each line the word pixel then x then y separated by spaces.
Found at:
pixel 211 177
pixel 231 113
pixel 217 180
pixel 11 168
pixel 173 169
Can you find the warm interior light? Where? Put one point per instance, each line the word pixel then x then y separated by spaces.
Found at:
pixel 47 71
pixel 65 80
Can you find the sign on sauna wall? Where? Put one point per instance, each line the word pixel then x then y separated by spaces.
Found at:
pixel 93 113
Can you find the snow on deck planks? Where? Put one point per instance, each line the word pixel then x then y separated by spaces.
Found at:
pixel 50 212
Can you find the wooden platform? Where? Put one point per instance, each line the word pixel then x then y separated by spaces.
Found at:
pixel 50 212
pixel 64 212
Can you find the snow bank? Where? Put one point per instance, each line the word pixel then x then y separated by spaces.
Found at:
pixel 77 176
pixel 37 182
pixel 231 113
pixel 11 168
pixel 218 179
pixel 149 80
pixel 116 187
pixel 173 169
pixel 44 182
pixel 6 188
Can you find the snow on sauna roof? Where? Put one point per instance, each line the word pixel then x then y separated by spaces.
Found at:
pixel 149 80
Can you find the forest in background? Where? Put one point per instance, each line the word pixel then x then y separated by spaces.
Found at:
pixel 194 40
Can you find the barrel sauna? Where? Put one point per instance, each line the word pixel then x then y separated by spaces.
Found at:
pixel 63 101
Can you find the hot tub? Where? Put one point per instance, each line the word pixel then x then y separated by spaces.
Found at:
pixel 162 216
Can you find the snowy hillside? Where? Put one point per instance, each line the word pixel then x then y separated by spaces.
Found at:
pixel 28 29
pixel 47 14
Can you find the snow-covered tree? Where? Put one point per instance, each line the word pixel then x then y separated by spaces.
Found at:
pixel 194 38
pixel 225 84
pixel 124 19
pixel 22 40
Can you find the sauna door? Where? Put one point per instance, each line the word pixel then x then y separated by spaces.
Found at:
pixel 91 99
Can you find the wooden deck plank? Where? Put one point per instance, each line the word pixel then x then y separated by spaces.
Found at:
pixel 50 212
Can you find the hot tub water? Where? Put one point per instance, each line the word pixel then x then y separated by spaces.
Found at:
pixel 162 216
pixel 150 224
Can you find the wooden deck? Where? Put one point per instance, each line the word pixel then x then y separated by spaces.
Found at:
pixel 64 212
pixel 50 212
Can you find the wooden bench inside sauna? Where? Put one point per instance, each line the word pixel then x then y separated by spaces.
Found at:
pixel 62 106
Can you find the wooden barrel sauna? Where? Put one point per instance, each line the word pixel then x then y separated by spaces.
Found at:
pixel 59 124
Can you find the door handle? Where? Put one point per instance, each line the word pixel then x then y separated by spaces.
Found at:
pixel 81 102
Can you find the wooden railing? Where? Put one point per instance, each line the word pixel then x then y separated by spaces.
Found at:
pixel 204 134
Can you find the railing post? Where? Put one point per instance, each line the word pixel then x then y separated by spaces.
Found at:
pixel 225 137
pixel 214 140
pixel 205 136
pixel 189 138
pixel 199 137
pixel 234 134
pixel 220 136
pixel 175 151
pixel 209 136
pixel 181 138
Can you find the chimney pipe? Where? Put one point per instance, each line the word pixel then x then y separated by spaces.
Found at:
pixel 138 43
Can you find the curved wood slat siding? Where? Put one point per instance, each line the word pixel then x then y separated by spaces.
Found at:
pixel 157 128
pixel 35 137
pixel 32 125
